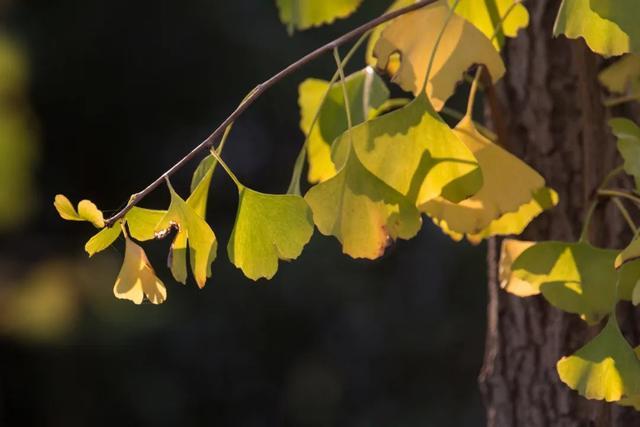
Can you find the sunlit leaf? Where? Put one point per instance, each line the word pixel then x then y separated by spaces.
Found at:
pixel 268 228
pixel 511 250
pixel 625 14
pixel 304 14
pixel 193 231
pixel 604 369
pixel 377 31
pixel 628 134
pixel 87 211
pixel 361 211
pixel 486 15
pixel 142 222
pixel 575 277
pixel 200 185
pixel 365 91
pixel 500 194
pixel 581 18
pixel 414 36
pixel 103 239
pixel 137 279
pixel 623 76
pixel 415 152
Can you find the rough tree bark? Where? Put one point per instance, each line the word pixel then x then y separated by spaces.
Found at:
pixel 553 118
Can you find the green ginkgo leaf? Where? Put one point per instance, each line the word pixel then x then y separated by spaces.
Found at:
pixel 604 369
pixel 498 196
pixel 628 134
pixel 103 239
pixel 575 277
pixel 268 228
pixel 87 211
pixel 365 91
pixel 581 18
pixel 415 152
pixel 304 14
pixel 193 231
pixel 137 279
pixel 361 211
pixel 413 37
pixel 623 76
pixel 200 185
pixel 486 15
pixel 633 400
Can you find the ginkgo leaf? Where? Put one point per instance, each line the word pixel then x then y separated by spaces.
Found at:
pixel 628 279
pixel 142 222
pixel 200 185
pixel 193 231
pixel 511 250
pixel 633 400
pixel 508 185
pixel 377 31
pixel 268 228
pixel 103 239
pixel 486 15
pixel 623 76
pixel 578 18
pixel 87 211
pixel 415 152
pixel 604 369
pixel 628 134
pixel 625 14
pixel 361 211
pixel 629 254
pixel 575 277
pixel 365 91
pixel 304 14
pixel 137 279
pixel 414 36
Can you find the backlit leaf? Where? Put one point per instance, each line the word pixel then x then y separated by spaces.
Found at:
pixel 511 250
pixel 268 228
pixel 415 152
pixel 361 211
pixel 604 369
pixel 365 91
pixel 142 222
pixel 575 277
pixel 625 13
pixel 103 239
pixel 500 194
pixel 193 231
pixel 137 279
pixel 623 76
pixel 581 18
pixel 487 14
pixel 304 14
pixel 628 134
pixel 377 31
pixel 414 36
pixel 87 211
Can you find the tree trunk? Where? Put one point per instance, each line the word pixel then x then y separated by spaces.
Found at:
pixel 551 115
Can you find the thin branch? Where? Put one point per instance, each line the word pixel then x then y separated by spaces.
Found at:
pixel 257 92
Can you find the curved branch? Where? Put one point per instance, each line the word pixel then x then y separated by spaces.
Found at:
pixel 256 93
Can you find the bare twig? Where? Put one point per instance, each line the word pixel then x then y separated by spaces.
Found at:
pixel 256 93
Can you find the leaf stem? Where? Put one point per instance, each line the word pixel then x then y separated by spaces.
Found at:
pixel 619 193
pixel 343 85
pixel 625 214
pixel 594 204
pixel 437 44
pixel 612 102
pixel 258 91
pixel 227 169
pixel 472 93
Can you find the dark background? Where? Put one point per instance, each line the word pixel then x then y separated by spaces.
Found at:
pixel 119 91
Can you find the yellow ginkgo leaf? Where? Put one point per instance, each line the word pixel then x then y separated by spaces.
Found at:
pixel 487 15
pixel 137 279
pixel 193 231
pixel 575 277
pixel 87 211
pixel 142 222
pixel 579 18
pixel 623 76
pixel 414 37
pixel 361 211
pixel 268 228
pixel 103 239
pixel 304 14
pixel 511 250
pixel 365 91
pixel 377 31
pixel 415 152
pixel 604 369
pixel 508 185
pixel 629 254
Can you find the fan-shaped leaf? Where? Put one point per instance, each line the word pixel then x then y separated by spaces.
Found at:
pixel 137 279
pixel 415 152
pixel 604 369
pixel 414 36
pixel 509 184
pixel 304 14
pixel 361 211
pixel 511 250
pixel 103 239
pixel 268 227
pixel 628 134
pixel 365 90
pixel 581 18
pixel 87 211
pixel 623 76
pixel 142 222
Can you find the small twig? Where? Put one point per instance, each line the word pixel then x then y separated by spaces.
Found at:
pixel 258 91
pixel 620 193
pixel 625 214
